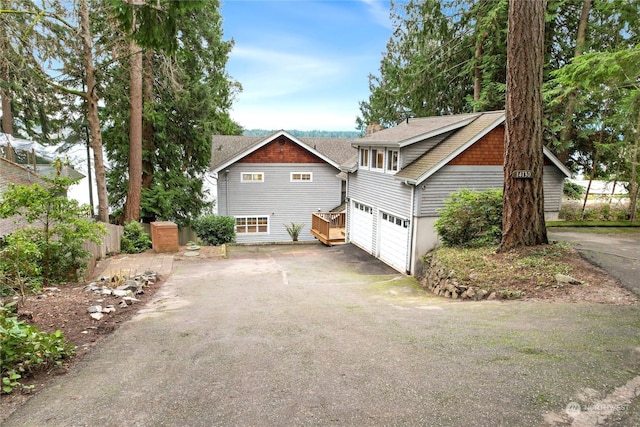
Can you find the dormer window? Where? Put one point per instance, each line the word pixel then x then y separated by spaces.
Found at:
pixel 364 158
pixel 392 161
pixel 377 158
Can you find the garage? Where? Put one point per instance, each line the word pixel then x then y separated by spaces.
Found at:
pixel 394 241
pixel 362 226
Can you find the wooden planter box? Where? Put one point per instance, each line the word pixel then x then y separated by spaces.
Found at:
pixel 164 236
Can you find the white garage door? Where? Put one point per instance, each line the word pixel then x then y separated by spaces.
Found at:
pixel 362 226
pixel 394 241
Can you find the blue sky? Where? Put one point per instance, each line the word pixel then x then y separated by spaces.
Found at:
pixel 303 64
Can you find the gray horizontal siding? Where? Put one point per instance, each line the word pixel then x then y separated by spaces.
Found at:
pixel 437 188
pixel 282 201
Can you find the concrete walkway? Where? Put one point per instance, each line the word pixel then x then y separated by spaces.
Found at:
pixel 310 335
pixel 618 253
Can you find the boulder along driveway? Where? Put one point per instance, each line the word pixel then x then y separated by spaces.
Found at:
pixel 309 335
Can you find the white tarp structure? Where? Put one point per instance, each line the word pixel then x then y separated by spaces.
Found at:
pixel 25 145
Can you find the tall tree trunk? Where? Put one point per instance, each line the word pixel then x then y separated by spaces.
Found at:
pixel 134 190
pixel 523 203
pixel 633 183
pixel 148 148
pixel 477 69
pixel 581 38
pixel 92 114
pixel 7 116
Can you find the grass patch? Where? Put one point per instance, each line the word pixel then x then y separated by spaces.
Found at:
pixel 590 224
pixel 512 275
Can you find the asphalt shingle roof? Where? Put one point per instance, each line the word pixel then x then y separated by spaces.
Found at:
pixel 441 152
pixel 414 128
pixel 225 147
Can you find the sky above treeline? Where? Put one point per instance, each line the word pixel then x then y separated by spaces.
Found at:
pixel 303 64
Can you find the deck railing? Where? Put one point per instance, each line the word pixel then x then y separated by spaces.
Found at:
pixel 323 222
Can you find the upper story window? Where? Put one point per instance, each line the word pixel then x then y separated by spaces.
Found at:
pixel 301 177
pixel 364 157
pixel 252 177
pixel 392 161
pixel 377 158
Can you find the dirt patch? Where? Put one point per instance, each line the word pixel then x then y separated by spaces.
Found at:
pixel 64 307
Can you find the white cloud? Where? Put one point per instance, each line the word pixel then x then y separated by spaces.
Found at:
pixel 270 74
pixel 379 10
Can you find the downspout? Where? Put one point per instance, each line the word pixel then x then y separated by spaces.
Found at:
pixel 412 229
pixel 226 192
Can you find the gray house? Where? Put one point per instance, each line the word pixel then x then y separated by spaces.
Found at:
pixel 269 182
pixel 403 175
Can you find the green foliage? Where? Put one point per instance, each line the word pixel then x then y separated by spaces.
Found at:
pixel 598 213
pixel 215 230
pixel 471 218
pixel 56 225
pixel 190 100
pixel 572 190
pixel 294 230
pixel 134 239
pixel 20 259
pixel 24 348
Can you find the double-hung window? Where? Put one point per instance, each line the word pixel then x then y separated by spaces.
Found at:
pixel 377 158
pixel 392 161
pixel 364 158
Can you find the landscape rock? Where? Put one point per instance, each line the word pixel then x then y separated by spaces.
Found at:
pixel 109 309
pixel 97 316
pixel 564 279
pixel 95 309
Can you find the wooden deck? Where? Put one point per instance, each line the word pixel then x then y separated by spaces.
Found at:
pixel 328 227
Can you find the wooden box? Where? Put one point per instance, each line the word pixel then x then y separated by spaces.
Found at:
pixel 164 236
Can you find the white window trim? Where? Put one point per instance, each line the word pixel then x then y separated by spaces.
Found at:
pixel 368 165
pixel 291 179
pixel 256 217
pixel 388 157
pixel 242 174
pixel 380 168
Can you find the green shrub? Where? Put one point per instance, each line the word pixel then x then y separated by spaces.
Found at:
pixel 20 259
pixel 215 230
pixel 58 226
pixel 294 230
pixel 24 348
pixel 572 190
pixel 134 239
pixel 471 218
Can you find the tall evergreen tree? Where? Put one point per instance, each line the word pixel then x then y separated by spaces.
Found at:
pixel 187 102
pixel 523 203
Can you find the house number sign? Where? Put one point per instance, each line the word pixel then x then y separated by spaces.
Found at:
pixel 522 174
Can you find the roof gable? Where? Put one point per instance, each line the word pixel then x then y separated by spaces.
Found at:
pixel 229 149
pixel 431 161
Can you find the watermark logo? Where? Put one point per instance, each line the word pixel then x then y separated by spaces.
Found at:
pixel 573 409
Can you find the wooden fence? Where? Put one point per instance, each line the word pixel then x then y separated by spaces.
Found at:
pixel 110 245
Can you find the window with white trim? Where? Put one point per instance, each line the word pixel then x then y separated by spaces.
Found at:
pixel 377 158
pixel 252 177
pixel 395 220
pixel 301 177
pixel 252 224
pixel 364 157
pixel 392 161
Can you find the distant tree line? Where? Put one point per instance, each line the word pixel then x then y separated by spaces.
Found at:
pixel 307 133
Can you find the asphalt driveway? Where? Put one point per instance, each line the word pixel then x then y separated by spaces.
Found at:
pixel 309 335
pixel 615 251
